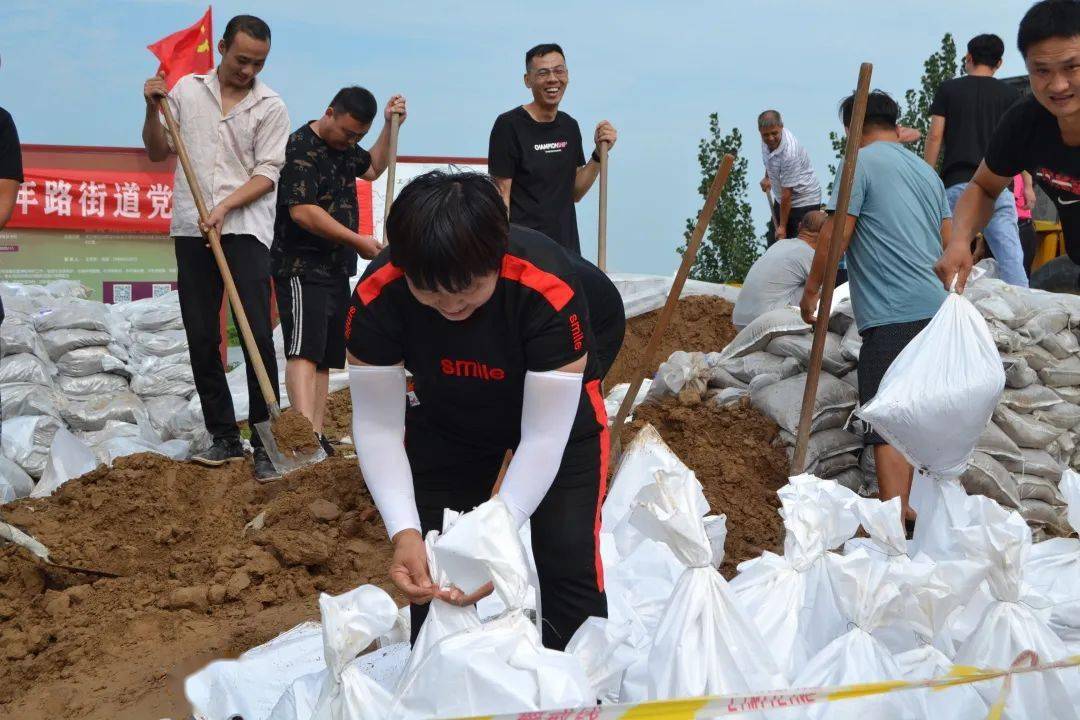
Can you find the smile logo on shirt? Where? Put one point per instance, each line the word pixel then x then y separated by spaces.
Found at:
pixel 471 369
pixel 576 335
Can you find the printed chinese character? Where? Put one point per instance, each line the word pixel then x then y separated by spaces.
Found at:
pixel 27 195
pixel 127 200
pixel 57 197
pixel 92 199
pixel 160 196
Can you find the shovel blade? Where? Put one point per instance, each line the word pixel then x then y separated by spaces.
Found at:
pixel 282 463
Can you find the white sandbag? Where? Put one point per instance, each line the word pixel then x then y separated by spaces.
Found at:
pixel 681 371
pixel 1061 344
pixel 1069 394
pixel 18 337
pixel 89 360
pixel 159 409
pixel 251 685
pixel 937 396
pixel 1050 518
pixel 19 399
pixel 1009 626
pixel 73 314
pixel 502 667
pixel 68 458
pixel 851 344
pixel 986 476
pixel 722 379
pixel 1006 306
pixel 159 344
pixel 24 368
pixel 782 402
pixel 704 644
pixel 23 435
pixel 800 346
pixel 605 650
pixel 1064 373
pixel 1025 430
pixel 871 594
pixel 169 380
pixel 994 442
pixel 616 395
pixel 761 331
pixel 854 480
pixel 1035 463
pixel 961 701
pixel 14 482
pixel 1018 374
pixel 824 445
pixel 109 450
pixel 155 314
pixel 98 384
pixel 58 342
pixel 1029 399
pixel 726 397
pixel 92 413
pixel 64 288
pixel 1033 487
pixel 1037 358
pixel 790 597
pixel 747 367
pixel 1053 568
pixel 1005 340
pixel 1064 415
pixel 828 468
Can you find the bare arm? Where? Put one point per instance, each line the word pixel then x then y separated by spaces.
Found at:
pixel 317 221
pixel 1030 200
pixel 973 210
pixel 153 134
pixel 9 190
pixel 380 151
pixel 785 211
pixel 808 306
pixel 584 179
pixel 504 185
pixel 933 140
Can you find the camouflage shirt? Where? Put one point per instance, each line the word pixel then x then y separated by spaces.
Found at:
pixel 315 174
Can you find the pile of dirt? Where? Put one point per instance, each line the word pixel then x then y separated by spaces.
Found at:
pixel 730 449
pixel 195 583
pixel 294 434
pixel 700 323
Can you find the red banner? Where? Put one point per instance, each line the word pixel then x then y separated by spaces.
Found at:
pixel 110 201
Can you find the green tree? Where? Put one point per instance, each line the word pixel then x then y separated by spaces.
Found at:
pixel 939 67
pixel 730 245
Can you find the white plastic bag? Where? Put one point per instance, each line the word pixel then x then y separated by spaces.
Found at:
pixel 168 380
pixel 25 368
pixel 73 314
pixel 704 644
pixel 937 396
pixel 19 399
pixel 791 597
pixel 14 482
pixel 761 331
pixel 1054 568
pixel 69 458
pixel 500 667
pixel 89 360
pixel 961 701
pixel 59 342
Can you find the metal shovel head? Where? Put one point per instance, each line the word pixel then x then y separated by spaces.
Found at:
pixel 38 550
pixel 282 463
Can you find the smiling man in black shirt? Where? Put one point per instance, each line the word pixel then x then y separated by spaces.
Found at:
pixel 316 240
pixel 1040 134
pixel 535 152
pixel 11 173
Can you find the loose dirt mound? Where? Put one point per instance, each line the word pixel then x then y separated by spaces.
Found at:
pixel 701 323
pixel 730 451
pixel 294 434
pixel 195 586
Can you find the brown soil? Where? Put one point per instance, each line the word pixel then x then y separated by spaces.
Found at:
pixel 294 434
pixel 700 323
pixel 194 585
pixel 337 422
pixel 730 450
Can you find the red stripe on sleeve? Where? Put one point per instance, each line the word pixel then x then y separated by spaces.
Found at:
pixel 370 287
pixel 592 389
pixel 554 289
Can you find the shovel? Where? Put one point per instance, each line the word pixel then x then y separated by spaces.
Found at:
pixel 391 169
pixel 38 550
pixel 282 463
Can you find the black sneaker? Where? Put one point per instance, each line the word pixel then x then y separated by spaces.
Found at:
pixel 264 468
pixel 327 446
pixel 221 452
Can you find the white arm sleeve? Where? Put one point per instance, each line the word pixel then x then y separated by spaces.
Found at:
pixel 548 410
pixel 378 400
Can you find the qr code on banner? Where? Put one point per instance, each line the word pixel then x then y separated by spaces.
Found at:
pixel 159 289
pixel 121 292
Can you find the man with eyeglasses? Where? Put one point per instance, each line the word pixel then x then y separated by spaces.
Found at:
pixel 535 153
pixel 316 240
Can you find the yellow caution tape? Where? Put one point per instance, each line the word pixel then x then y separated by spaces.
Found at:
pixel 718 705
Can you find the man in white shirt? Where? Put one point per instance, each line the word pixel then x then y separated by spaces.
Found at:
pixel 235 129
pixel 777 278
pixel 789 176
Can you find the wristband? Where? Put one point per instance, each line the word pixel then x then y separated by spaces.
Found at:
pixel 595 156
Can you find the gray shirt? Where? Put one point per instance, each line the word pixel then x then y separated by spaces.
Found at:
pixel 900 204
pixel 788 166
pixel 775 280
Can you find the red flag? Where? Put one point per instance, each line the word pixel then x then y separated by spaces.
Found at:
pixel 186 51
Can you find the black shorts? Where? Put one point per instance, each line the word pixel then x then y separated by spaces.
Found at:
pixel 313 318
pixel 880 346
pixel 565 527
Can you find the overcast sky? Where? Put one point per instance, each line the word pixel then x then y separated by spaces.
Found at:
pixel 72 73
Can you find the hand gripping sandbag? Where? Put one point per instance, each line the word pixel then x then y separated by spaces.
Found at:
pixel 872 594
pixel 1013 623
pixel 940 391
pixel 704 644
pixel 1054 568
pixel 790 597
pixel 500 667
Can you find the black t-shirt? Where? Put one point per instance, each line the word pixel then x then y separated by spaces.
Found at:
pixel 469 375
pixel 315 174
pixel 542 159
pixel 972 106
pixel 10 159
pixel 1028 138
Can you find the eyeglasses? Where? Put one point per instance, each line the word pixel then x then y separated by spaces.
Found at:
pixel 545 73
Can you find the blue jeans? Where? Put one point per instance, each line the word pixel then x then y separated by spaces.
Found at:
pixel 1001 233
